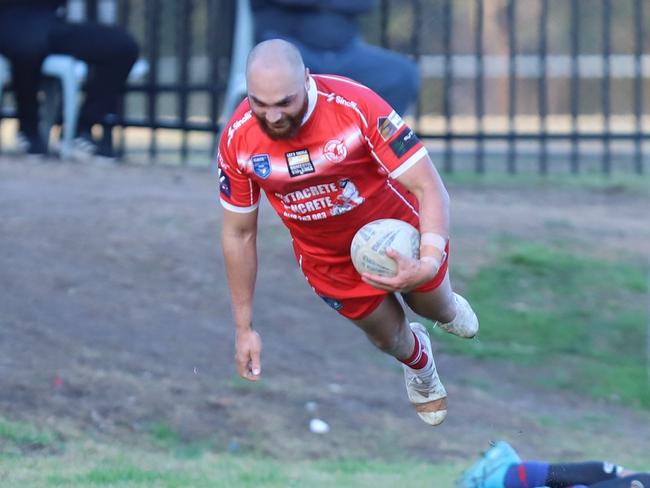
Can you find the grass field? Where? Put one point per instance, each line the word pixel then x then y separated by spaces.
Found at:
pixel 32 458
pixel 586 316
pixel 524 320
pixel 570 319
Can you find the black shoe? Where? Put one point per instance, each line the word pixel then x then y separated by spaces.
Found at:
pixel 84 148
pixel 105 150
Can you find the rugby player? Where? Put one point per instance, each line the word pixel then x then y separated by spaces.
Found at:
pixel 331 156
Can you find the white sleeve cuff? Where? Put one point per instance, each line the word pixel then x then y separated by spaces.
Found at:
pixel 406 165
pixel 233 208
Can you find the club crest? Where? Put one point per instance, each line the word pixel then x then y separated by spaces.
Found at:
pixel 261 165
pixel 335 151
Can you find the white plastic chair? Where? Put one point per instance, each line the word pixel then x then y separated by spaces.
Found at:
pixel 4 74
pixel 243 41
pixel 71 73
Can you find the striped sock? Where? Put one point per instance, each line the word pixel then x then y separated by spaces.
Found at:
pixel 419 357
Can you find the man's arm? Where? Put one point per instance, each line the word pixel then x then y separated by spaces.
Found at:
pixel 238 240
pixel 421 179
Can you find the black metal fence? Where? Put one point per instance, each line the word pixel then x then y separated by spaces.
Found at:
pixel 187 45
pixel 555 85
pixel 514 85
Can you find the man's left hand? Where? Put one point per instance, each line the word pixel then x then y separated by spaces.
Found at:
pixel 411 273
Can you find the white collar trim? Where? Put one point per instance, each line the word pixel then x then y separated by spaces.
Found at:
pixel 312 96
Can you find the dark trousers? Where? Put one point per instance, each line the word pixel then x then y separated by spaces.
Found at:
pixel 28 34
pixel 392 75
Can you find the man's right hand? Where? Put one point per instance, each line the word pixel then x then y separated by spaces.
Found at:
pixel 248 349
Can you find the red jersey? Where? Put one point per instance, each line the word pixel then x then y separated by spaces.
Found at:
pixel 335 175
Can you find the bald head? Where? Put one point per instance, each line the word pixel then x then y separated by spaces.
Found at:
pixel 274 54
pixel 277 82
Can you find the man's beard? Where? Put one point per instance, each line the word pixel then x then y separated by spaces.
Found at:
pixel 288 124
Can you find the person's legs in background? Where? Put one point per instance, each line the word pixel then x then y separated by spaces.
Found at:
pixel 392 75
pixel 26 54
pixel 110 53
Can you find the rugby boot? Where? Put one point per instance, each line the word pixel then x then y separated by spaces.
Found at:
pixel 423 386
pixel 465 323
pixel 490 470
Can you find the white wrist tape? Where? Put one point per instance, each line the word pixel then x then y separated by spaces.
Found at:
pixel 431 259
pixel 434 240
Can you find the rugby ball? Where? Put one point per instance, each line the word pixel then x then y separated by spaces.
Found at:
pixel 368 248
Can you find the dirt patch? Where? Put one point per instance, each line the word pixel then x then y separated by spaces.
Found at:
pixel 114 316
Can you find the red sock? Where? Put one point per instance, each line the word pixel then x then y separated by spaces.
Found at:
pixel 419 357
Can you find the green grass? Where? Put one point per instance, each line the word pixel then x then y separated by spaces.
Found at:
pixel 86 463
pixel 584 316
pixel 19 436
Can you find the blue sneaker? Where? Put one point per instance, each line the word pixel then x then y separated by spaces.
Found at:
pixel 490 470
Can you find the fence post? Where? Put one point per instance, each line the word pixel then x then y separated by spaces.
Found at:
pixel 448 16
pixel 478 92
pixel 152 9
pixel 512 84
pixel 638 91
pixel 575 83
pixel 607 12
pixel 541 88
pixel 184 52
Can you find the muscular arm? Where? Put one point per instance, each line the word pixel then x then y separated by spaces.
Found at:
pixel 423 180
pixel 238 240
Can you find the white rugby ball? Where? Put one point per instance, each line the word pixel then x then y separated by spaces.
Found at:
pixel 368 248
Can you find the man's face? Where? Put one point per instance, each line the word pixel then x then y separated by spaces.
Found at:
pixel 279 112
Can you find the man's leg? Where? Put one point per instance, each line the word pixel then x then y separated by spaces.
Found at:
pixel 26 54
pixel 388 329
pixel 110 53
pixel 452 312
pixel 641 480
pixel 392 75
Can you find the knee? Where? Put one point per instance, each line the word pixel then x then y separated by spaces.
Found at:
pixel 129 49
pixel 124 47
pixel 389 343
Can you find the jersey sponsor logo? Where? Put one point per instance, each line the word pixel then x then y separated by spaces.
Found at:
pixel 237 124
pixel 347 199
pixel 335 151
pixel 335 304
pixel 261 165
pixel 299 163
pixel 333 97
pixel 318 202
pixel 388 126
pixel 224 183
pixel 403 142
